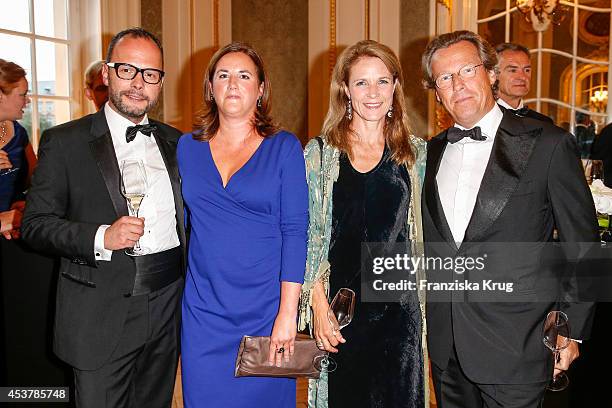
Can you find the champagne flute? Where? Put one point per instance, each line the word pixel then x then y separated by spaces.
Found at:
pixel 556 336
pixel 133 188
pixel 342 309
pixel 339 314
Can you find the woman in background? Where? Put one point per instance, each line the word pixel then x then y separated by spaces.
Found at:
pixel 364 177
pixel 244 186
pixel 15 148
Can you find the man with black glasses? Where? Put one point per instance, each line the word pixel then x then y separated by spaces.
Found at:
pixel 117 319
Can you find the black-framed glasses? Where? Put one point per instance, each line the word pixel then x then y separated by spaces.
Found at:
pixel 445 81
pixel 128 72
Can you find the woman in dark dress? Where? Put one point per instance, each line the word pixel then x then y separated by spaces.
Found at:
pixel 15 149
pixel 364 175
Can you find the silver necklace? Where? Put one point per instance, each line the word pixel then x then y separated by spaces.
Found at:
pixel 3 136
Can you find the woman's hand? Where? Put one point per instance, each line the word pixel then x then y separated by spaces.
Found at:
pixel 282 339
pixel 5 163
pixel 10 221
pixel 326 337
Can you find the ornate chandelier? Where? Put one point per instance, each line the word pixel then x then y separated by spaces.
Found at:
pixel 599 100
pixel 540 13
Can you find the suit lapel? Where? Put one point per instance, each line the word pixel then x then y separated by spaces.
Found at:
pixel 512 148
pixel 435 150
pixel 103 152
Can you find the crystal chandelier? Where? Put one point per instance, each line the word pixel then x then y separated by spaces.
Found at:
pixel 599 100
pixel 540 13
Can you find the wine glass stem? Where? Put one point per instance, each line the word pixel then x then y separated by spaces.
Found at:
pixel 137 246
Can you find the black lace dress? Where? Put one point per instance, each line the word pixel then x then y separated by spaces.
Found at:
pixel 380 365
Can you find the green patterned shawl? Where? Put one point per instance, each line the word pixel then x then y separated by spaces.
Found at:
pixel 321 173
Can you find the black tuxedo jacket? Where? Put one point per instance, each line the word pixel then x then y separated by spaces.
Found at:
pixel 533 183
pixel 75 189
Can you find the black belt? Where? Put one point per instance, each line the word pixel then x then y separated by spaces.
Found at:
pixel 156 271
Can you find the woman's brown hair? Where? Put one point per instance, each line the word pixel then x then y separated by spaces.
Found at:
pixel 10 74
pixel 207 120
pixel 337 126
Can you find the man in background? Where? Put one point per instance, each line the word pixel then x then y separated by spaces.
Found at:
pixel 602 150
pixel 513 73
pixel 95 89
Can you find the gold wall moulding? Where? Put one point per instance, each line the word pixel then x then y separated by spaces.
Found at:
pixel 446 3
pixel 332 36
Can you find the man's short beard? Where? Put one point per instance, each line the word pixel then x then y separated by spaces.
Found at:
pixel 129 111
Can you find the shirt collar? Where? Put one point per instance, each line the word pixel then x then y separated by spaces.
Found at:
pixel 507 106
pixel 117 124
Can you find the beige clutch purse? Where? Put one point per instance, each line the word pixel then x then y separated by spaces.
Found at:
pixel 252 360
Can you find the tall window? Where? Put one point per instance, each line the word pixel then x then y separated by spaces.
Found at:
pixel 35 34
pixel 571 52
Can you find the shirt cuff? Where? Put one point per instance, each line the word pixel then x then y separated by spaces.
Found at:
pixel 101 253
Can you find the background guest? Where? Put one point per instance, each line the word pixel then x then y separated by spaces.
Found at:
pixel 602 150
pixel 513 73
pixel 245 189
pixel 95 89
pixel 585 134
pixel 364 178
pixel 17 158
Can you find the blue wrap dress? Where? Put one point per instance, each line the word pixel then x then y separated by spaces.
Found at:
pixel 245 240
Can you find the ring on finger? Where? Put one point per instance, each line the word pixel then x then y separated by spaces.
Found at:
pixel 281 350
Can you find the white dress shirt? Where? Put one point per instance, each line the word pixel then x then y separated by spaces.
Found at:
pixel 157 207
pixel 507 106
pixel 461 170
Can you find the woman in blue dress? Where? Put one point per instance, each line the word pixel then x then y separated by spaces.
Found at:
pixel 15 149
pixel 244 186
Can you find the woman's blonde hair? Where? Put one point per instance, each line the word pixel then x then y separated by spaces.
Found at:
pixel 207 120
pixel 336 126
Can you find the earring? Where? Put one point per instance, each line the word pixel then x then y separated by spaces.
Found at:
pixel 390 111
pixel 212 97
pixel 349 109
pixel 259 102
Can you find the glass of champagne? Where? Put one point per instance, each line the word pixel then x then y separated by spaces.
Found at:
pixel 342 309
pixel 556 336
pixel 339 314
pixel 133 188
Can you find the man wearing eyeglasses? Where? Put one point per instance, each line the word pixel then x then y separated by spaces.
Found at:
pixel 496 185
pixel 117 317
pixel 513 72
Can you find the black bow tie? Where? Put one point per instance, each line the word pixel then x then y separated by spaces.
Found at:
pixel 454 134
pixel 522 111
pixel 146 130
